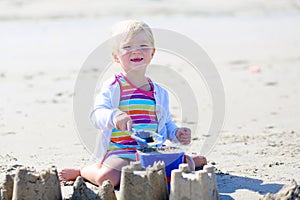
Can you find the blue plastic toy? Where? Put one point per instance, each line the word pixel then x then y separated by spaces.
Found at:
pixel 147 139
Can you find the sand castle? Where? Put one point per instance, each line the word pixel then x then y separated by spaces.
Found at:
pixel 194 185
pixel 82 192
pixel 29 184
pixel 6 187
pixel 288 191
pixel 150 183
pixel 136 183
pixel 146 184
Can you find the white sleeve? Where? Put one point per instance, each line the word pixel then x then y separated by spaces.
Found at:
pixel 104 109
pixel 170 125
pixel 167 126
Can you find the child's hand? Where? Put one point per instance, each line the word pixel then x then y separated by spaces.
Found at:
pixel 183 135
pixel 123 122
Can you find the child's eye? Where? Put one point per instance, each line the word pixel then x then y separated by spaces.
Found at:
pixel 144 45
pixel 126 47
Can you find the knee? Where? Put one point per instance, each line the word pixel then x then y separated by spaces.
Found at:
pixel 114 177
pixel 199 160
pixel 100 178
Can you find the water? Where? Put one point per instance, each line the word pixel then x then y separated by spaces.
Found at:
pixel 77 9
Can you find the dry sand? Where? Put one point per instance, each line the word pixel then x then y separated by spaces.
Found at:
pixel 258 149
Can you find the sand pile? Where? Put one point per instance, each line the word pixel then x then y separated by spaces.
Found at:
pixel 140 183
pixel 201 184
pixel 6 187
pixel 30 184
pixel 83 192
pixel 289 191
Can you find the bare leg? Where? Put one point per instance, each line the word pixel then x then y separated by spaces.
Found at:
pixel 200 161
pixel 110 169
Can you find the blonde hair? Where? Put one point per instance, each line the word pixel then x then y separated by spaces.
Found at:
pixel 124 31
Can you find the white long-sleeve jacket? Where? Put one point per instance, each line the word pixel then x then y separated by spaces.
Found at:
pixel 106 107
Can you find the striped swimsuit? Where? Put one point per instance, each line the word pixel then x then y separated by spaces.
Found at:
pixel 139 104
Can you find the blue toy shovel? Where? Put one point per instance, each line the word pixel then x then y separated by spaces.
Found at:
pixel 147 139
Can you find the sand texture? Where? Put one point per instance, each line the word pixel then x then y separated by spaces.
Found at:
pixel 254 45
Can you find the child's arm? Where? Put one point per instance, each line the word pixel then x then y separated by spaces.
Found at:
pixel 171 127
pixel 106 107
pixel 175 134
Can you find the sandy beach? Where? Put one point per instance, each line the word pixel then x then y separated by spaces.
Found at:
pixel 255 47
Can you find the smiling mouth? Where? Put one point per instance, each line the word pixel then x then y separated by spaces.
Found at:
pixel 136 59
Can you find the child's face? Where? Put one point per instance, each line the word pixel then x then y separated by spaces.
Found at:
pixel 135 54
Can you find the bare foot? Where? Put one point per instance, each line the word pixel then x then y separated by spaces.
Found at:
pixel 200 161
pixel 69 174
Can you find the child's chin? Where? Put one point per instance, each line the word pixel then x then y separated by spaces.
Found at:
pixel 138 66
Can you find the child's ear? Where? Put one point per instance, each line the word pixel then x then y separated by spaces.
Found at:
pixel 153 51
pixel 115 57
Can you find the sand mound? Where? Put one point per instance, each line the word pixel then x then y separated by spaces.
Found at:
pixel 289 191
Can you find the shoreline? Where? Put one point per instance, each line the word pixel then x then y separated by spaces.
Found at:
pixel 106 9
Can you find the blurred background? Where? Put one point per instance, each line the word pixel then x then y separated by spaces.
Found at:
pixel 80 9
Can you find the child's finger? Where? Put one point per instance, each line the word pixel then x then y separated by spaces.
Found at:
pixel 129 125
pixel 187 130
pixel 185 138
pixel 118 126
pixel 185 135
pixel 123 127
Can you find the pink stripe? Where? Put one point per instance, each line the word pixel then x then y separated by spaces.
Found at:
pixel 135 92
pixel 151 117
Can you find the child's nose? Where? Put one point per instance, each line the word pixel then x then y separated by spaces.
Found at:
pixel 136 50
